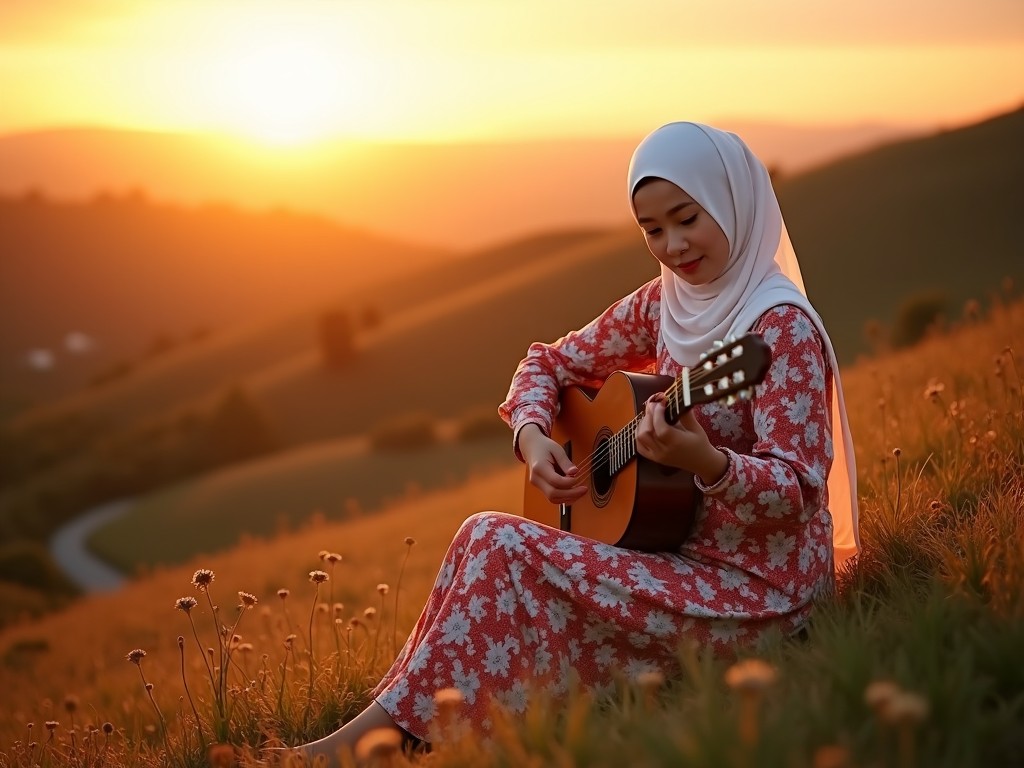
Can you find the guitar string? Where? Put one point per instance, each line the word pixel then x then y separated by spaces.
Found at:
pixel 585 467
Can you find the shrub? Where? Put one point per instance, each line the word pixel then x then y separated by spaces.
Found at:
pixel 336 336
pixel 916 317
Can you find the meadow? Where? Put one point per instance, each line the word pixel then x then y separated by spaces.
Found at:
pixel 915 661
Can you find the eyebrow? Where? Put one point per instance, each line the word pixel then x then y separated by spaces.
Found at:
pixel 670 212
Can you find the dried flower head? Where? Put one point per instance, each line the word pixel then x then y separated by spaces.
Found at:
pixel 750 675
pixel 879 693
pixel 409 541
pixel 369 613
pixel 333 558
pixel 934 389
pixel 906 708
pixel 202 579
pixel 283 593
pixel 322 554
pixel 248 600
pixel 185 604
pixel 318 577
pixel 108 728
pixel 70 703
pixel 136 656
pixel 382 589
pixel 51 724
pixel 323 608
pixel 378 746
pixel 245 647
pixel 338 608
pixel 897 452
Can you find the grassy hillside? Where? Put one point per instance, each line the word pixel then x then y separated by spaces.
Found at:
pixel 936 609
pixel 129 272
pixel 938 214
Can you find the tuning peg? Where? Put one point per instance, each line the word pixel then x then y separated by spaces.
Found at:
pixel 703 357
pixel 718 344
pixel 744 394
pixel 730 400
pixel 738 377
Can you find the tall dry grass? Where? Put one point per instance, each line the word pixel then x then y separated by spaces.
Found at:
pixel 916 662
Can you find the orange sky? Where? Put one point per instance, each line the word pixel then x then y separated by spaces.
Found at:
pixel 477 69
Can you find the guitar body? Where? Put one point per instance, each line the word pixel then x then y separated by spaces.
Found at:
pixel 644 506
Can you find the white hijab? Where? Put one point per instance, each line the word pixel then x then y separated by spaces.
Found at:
pixel 721 173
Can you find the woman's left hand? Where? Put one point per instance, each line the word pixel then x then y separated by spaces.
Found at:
pixel 684 444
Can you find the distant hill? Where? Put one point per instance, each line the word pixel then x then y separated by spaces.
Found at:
pixel 455 196
pixel 131 274
pixel 941 213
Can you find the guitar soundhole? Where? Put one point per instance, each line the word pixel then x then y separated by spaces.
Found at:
pixel 601 478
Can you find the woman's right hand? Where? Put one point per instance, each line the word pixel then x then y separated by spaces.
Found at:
pixel 548 466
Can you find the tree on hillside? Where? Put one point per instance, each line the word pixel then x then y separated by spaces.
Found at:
pixel 336 337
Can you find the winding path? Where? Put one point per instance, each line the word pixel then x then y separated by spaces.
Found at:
pixel 67 546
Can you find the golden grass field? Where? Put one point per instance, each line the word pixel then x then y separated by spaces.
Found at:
pixel 937 606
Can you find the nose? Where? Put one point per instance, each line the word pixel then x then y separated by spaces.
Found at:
pixel 677 243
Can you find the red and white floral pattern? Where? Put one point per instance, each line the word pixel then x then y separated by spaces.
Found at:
pixel 518 604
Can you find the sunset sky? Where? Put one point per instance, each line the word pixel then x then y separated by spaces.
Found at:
pixel 449 70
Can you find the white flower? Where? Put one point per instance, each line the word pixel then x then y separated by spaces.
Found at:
pixel 499 656
pixel 555 577
pixel 660 624
pixel 456 628
pixel 559 614
pixel 509 539
pixel 727 631
pixel 477 610
pixel 799 408
pixel 771 336
pixel 728 422
pixel 815 371
pixel 481 526
pixel 644 580
pixel 515 698
pixel 611 593
pixel 445 576
pixel 598 631
pixel 776 601
pixel 615 345
pixel 801 329
pixel 424 707
pixel 418 662
pixel 604 656
pixel 568 547
pixel 745 513
pixel 506 602
pixel 779 546
pixel 542 659
pixel 729 537
pixel 608 552
pixel 775 505
pixel 474 571
pixel 706 590
pixel 811 433
pixel 466 681
pixel 639 639
pixel 392 697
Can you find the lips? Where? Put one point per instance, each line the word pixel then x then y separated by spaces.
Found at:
pixel 690 266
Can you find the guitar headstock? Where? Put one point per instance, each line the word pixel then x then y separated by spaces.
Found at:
pixel 730 369
pixel 727 372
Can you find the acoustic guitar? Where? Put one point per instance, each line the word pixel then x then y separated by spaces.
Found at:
pixel 633 502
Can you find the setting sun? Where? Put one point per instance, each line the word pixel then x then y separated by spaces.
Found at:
pixel 281 91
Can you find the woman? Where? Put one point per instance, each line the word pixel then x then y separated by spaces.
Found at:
pixel 519 604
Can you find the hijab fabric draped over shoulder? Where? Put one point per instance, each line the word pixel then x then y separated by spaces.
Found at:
pixel 719 172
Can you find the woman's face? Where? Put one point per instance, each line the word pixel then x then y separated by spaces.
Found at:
pixel 680 233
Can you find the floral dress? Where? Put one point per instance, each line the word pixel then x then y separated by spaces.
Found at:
pixel 517 604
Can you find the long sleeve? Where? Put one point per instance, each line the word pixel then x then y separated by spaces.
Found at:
pixel 774 490
pixel 624 336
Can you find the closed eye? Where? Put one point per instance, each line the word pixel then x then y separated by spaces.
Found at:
pixel 690 220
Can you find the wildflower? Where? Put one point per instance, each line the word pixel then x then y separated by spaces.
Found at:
pixel 333 558
pixel 322 608
pixel 202 579
pixel 248 600
pixel 934 389
pixel 831 756
pixel 879 693
pixel 935 505
pixel 897 452
pixel 379 746
pixel 906 708
pixel 70 703
pixel 382 589
pixel 185 604
pixel 51 724
pixel 283 593
pixel 108 728
pixel 750 675
pixel 318 577
pixel 149 686
pixel 409 541
pixel 136 656
pixel 369 613
pixel 338 608
pixel 289 641
pixel 245 647
pixel 323 554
